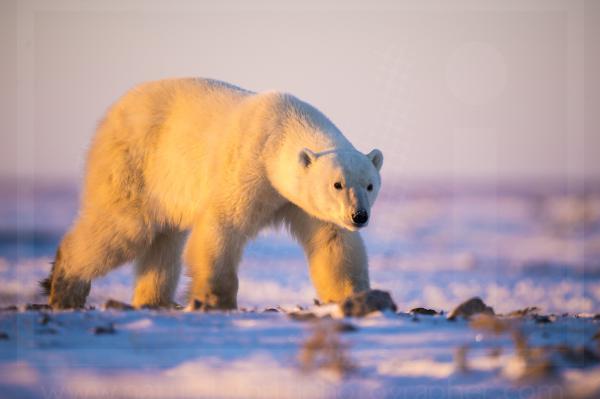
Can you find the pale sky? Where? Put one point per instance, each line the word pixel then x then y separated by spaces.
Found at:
pixel 446 89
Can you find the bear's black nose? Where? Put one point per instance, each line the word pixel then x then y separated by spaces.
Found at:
pixel 360 217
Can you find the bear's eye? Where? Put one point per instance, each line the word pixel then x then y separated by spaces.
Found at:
pixel 370 187
pixel 337 185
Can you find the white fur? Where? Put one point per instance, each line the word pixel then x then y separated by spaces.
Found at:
pixel 223 162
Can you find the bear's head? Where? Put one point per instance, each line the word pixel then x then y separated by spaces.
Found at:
pixel 340 186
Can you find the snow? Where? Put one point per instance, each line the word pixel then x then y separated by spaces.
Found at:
pixel 432 246
pixel 248 354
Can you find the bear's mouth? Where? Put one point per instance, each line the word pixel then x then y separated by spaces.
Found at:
pixel 359 225
pixel 352 226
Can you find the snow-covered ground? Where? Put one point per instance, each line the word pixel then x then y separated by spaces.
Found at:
pixel 515 246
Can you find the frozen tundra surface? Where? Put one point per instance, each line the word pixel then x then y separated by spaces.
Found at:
pixel 151 354
pixel 429 246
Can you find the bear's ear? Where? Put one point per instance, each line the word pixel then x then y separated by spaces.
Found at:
pixel 376 158
pixel 307 157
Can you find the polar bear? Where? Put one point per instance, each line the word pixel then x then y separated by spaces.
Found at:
pixel 220 162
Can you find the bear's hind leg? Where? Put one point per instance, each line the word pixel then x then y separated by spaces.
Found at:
pixel 93 247
pixel 212 254
pixel 158 270
pixel 65 292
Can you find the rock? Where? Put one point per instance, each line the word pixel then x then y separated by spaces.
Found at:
pixel 10 308
pixel 37 306
pixel 337 325
pixel 424 311
pixel 533 310
pixel 170 306
pixel 271 310
pixel 101 330
pixel 117 305
pixel 303 316
pixel 3 336
pixel 469 308
pixel 44 319
pixel 533 313
pixel 47 331
pixel 540 319
pixel 363 303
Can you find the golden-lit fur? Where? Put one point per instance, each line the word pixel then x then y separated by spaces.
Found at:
pixel 202 155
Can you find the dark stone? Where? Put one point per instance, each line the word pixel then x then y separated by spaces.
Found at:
pixel 365 302
pixel 117 305
pixel 542 319
pixel 424 311
pixel 3 336
pixel 10 308
pixel 469 308
pixel 529 311
pixel 37 306
pixel 44 319
pixel 47 331
pixel 302 316
pixel 101 330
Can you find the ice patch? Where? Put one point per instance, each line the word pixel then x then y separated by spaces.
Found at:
pixel 18 373
pixel 416 368
pixel 142 324
pixel 258 376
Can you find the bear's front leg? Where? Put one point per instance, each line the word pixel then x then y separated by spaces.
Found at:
pixel 212 254
pixel 337 257
pixel 338 263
